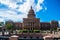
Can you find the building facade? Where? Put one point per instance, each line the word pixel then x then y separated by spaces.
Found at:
pixel 33 23
pixel 18 25
pixel 45 25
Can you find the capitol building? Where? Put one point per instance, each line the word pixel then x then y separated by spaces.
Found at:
pixel 33 23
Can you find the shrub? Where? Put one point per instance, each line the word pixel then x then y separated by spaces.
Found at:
pixel 37 31
pixel 25 31
pixel 20 31
pixel 31 31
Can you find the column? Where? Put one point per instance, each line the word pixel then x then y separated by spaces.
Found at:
pixel 32 25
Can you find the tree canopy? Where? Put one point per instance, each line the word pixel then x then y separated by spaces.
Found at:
pixel 9 26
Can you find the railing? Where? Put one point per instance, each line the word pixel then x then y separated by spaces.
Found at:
pixel 25 38
pixel 56 38
pixel 30 39
pixel 4 38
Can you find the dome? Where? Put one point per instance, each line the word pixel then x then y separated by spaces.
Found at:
pixel 31 11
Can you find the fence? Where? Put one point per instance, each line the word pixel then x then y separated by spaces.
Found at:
pixel 56 38
pixel 7 38
pixel 4 38
pixel 30 39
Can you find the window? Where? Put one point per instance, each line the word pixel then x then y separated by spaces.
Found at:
pixel 24 37
pixel 37 37
pixel 30 37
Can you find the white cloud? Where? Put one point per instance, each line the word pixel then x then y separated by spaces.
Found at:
pixel 59 23
pixel 38 7
pixel 11 13
pixel 26 6
pixel 45 8
pixel 1 20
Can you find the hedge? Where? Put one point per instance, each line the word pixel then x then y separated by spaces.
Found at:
pixel 37 31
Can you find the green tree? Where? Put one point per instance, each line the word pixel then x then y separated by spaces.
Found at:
pixel 53 29
pixel 9 26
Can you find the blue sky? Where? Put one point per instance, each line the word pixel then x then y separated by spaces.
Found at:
pixel 52 12
pixel 16 10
